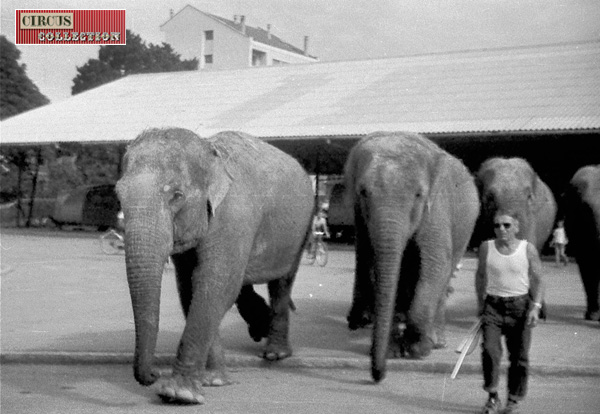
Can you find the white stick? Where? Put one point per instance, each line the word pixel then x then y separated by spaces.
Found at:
pixel 466 347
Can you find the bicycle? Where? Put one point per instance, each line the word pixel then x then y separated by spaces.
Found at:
pixel 112 242
pixel 317 250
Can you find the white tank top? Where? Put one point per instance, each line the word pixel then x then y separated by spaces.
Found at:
pixel 507 275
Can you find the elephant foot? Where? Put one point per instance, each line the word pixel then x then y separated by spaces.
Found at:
pixel 359 319
pixel 276 352
pixel 416 345
pixel 420 350
pixel 259 330
pixel 440 341
pixel 396 347
pixel 592 315
pixel 215 378
pixel 178 389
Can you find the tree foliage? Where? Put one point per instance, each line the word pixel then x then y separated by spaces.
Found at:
pixel 17 92
pixel 136 56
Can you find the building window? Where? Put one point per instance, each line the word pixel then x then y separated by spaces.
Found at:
pixel 279 62
pixel 208 35
pixel 208 59
pixel 259 58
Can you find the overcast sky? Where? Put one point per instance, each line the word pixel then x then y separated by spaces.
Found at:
pixel 338 29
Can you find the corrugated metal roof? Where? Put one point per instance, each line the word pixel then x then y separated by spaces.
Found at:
pixel 547 88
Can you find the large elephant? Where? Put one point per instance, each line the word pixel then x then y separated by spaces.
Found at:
pixel 512 184
pixel 232 211
pixel 415 208
pixel 582 223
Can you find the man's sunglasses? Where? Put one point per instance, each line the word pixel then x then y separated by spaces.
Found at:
pixel 505 225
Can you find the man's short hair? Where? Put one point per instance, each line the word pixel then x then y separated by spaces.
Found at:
pixel 511 213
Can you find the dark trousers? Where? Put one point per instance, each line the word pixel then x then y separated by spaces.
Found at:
pixel 506 317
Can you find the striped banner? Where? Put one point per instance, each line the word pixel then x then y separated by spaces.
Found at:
pixel 70 27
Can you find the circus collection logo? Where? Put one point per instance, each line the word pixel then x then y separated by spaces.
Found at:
pixel 60 27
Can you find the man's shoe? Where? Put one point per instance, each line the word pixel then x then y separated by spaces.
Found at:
pixel 512 407
pixel 492 406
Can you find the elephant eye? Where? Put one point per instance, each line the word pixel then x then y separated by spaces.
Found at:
pixel 177 196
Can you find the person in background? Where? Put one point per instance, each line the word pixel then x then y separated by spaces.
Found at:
pixel 510 289
pixel 559 242
pixel 319 229
pixel 120 221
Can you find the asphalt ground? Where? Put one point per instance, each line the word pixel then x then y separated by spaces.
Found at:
pixel 65 302
pixel 110 389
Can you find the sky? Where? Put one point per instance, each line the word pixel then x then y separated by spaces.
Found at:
pixel 337 29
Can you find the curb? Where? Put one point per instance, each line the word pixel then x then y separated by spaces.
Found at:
pixel 243 361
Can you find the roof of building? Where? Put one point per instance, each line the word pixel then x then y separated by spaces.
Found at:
pixel 512 90
pixel 256 33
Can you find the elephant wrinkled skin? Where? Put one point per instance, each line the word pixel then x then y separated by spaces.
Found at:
pixel 415 209
pixel 232 211
pixel 582 223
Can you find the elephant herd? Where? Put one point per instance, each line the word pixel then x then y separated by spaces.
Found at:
pixel 233 211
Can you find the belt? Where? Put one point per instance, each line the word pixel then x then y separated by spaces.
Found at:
pixel 505 299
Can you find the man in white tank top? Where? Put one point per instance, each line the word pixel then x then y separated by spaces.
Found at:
pixel 510 291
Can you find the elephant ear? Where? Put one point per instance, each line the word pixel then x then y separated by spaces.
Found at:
pixel 218 185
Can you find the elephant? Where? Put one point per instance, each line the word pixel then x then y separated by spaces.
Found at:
pixel 582 224
pixel 415 207
pixel 231 211
pixel 511 184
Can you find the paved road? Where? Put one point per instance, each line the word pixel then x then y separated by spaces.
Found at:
pixel 63 301
pixel 108 389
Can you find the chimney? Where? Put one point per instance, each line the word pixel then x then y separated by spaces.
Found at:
pixel 305 45
pixel 171 13
pixel 268 31
pixel 243 23
pixel 235 16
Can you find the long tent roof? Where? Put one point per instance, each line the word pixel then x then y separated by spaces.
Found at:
pixel 512 90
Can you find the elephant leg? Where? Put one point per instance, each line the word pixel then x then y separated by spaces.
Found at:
pixel 200 347
pixel 410 270
pixel 255 311
pixel 185 263
pixel 436 267
pixel 215 374
pixel 439 323
pixel 363 297
pixel 278 346
pixel 591 281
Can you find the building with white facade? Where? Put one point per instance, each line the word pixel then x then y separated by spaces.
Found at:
pixel 219 43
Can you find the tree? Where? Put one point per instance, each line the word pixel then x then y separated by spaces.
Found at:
pixel 20 166
pixel 17 92
pixel 116 61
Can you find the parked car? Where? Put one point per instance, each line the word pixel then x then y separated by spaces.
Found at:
pixel 95 206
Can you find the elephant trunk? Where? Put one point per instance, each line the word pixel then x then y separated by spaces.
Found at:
pixel 147 246
pixel 389 248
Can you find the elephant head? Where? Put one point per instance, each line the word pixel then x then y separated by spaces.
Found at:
pixel 511 184
pixel 397 184
pixel 172 183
